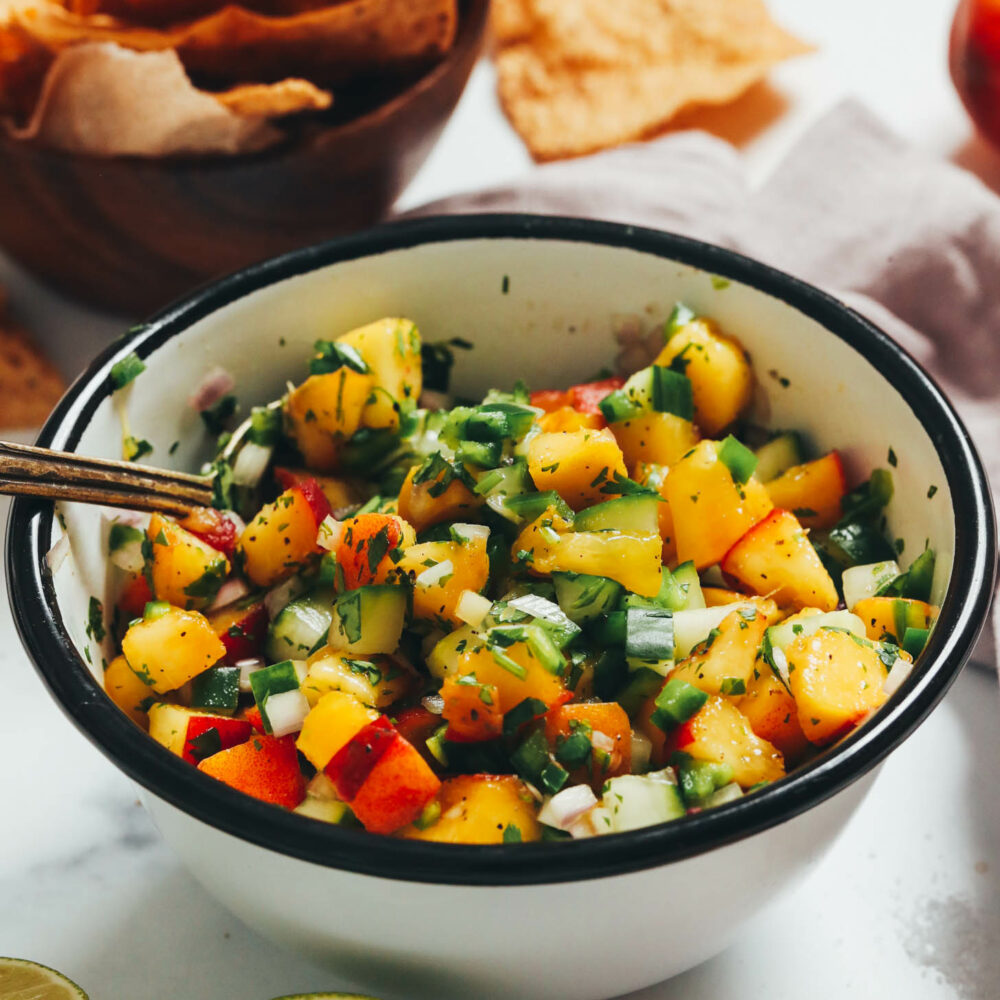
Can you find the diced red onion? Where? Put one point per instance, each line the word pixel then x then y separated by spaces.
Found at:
pixel 567 806
pixel 247 667
pixel 901 669
pixel 238 521
pixel 330 532
pixel 431 399
pixel 277 597
pixel 216 384
pixel 57 554
pixel 602 741
pixel 434 703
pixel 435 574
pixel 231 591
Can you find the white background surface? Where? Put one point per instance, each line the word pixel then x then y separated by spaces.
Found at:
pixel 908 903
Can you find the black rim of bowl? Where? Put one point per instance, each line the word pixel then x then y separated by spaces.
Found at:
pixel 167 777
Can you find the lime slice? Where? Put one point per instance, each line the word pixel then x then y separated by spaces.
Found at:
pixel 24 980
pixel 309 996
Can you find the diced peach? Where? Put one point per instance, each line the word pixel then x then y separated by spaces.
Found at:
pixel 338 492
pixel 213 527
pixel 242 627
pixel 565 418
pixel 227 733
pixel 775 558
pixel 661 438
pixel 772 713
pixel 186 571
pixel 135 596
pixel 471 709
pixel 168 724
pixel 370 546
pixel 720 732
pixel 421 507
pixel 580 466
pixel 280 538
pixel 888 616
pixel 836 679
pixel 610 733
pixel 265 767
pixel 551 400
pixel 478 808
pixel 812 491
pixel 710 510
pixel 727 657
pixel 537 682
pixel 170 650
pixel 331 724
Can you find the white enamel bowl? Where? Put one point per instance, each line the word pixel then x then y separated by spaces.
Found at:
pixel 538 298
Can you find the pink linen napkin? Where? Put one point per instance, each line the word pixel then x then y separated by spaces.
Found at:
pixel 910 241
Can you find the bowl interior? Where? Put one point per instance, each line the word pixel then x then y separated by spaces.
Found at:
pixel 539 299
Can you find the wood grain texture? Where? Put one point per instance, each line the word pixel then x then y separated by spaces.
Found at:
pixel 130 235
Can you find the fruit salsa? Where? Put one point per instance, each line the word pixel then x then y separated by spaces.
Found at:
pixel 539 616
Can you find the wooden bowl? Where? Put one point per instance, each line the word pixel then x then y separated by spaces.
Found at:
pixel 131 234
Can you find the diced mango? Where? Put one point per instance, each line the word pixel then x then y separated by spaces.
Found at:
pixel 186 571
pixel 723 663
pixel 391 349
pixel 775 558
pixel 437 599
pixel 710 510
pixel 331 724
pixel 538 541
pixel 719 370
pixel 478 808
pixel 426 503
pixel 279 539
pixel 565 418
pixel 324 412
pixel 170 650
pixel 720 732
pixel 812 491
pixel 661 438
pixel 836 679
pixel 376 681
pixel 127 690
pixel 580 466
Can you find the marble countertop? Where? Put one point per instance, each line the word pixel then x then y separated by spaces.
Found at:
pixel 907 903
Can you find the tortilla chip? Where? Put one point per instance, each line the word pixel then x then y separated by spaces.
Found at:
pixel 234 45
pixel 271 100
pixel 29 385
pixel 103 100
pixel 575 77
pixel 162 12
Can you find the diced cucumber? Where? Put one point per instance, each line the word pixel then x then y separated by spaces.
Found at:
pixel 699 779
pixel 785 633
pixel 650 389
pixel 528 506
pixel 728 793
pixel 498 485
pixel 778 456
pixel 637 514
pixel 649 639
pixel 300 626
pixel 538 639
pixel 861 582
pixel 327 810
pixel 369 620
pixel 273 681
pixel 584 597
pixel 856 543
pixel 634 801
pixel 442 659
pixel 920 576
pixel 692 626
pixel 609 630
pixel 914 640
pixel 641 684
pixel 217 687
pixel 685 589
pixel 481 453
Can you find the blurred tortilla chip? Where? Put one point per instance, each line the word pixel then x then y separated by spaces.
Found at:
pixel 271 100
pixel 576 77
pixel 29 385
pixel 233 45
pixel 162 12
pixel 103 100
